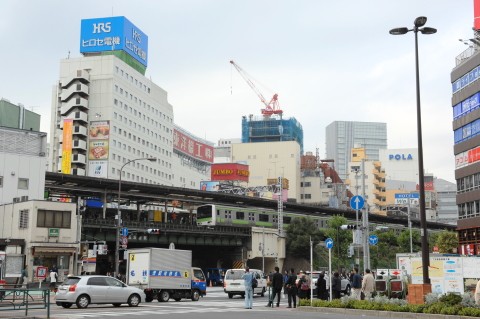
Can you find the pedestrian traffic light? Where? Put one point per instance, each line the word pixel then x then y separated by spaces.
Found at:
pixel 352 227
pixel 153 231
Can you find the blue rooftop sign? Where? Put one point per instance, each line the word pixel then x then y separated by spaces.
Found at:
pixel 114 33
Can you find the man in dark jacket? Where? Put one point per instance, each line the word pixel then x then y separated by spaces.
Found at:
pixel 292 289
pixel 277 285
pixel 322 287
pixel 336 285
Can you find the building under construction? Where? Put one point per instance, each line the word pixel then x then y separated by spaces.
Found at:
pixel 271 129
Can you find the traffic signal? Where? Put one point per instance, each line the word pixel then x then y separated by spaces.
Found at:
pixel 351 251
pixel 153 231
pixel 352 227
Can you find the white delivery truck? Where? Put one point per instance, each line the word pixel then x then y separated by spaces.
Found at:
pixel 163 274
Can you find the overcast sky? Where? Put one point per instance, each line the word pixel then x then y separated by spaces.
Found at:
pixel 327 60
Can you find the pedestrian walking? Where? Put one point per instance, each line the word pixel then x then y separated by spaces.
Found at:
pixel 285 279
pixel 322 292
pixel 292 289
pixel 368 284
pixel 356 284
pixel 247 281
pixel 53 280
pixel 24 277
pixel 277 285
pixel 336 285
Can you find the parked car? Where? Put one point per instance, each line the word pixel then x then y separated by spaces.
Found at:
pixel 97 289
pixel 233 283
pixel 346 285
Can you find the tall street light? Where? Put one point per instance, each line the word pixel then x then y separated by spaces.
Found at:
pixel 418 27
pixel 119 212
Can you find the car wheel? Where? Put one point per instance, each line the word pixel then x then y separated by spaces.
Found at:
pixel 230 296
pixel 82 301
pixel 134 300
pixel 116 304
pixel 66 305
pixel 195 295
pixel 164 296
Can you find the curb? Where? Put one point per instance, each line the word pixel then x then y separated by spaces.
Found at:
pixel 375 313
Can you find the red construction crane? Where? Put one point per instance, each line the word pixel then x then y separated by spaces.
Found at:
pixel 271 107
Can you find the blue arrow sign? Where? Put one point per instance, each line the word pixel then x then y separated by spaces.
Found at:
pixel 329 243
pixel 357 202
pixel 373 240
pixel 124 231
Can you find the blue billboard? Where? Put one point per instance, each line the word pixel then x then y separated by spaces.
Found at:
pixel 114 33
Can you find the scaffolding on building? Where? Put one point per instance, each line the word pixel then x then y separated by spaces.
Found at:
pixel 271 129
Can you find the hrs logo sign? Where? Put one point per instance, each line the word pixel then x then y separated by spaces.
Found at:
pixel 102 27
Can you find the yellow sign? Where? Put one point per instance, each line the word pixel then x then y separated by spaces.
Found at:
pixel 185 274
pixel 132 257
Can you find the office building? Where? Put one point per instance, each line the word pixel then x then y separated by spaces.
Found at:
pixel 466 124
pixel 106 112
pixel 342 136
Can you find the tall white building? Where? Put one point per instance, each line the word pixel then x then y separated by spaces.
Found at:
pixel 342 136
pixel 105 113
pixel 400 164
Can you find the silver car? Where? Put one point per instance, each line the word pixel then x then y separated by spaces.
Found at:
pixel 97 289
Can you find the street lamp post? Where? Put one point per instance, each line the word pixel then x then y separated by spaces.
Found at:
pixel 419 26
pixel 119 212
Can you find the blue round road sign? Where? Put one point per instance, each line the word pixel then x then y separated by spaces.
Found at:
pixel 329 243
pixel 373 239
pixel 357 202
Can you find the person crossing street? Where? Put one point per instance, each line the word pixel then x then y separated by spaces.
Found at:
pixel 277 285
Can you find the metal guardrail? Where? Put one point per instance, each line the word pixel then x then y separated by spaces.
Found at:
pixel 12 298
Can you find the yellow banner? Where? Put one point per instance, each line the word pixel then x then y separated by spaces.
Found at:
pixel 67 146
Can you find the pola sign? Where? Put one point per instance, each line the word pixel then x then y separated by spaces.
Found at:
pixel 400 157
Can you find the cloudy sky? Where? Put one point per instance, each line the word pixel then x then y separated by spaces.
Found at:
pixel 327 60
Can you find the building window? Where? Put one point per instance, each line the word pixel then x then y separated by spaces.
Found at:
pixel 308 196
pixel 23 183
pixel 23 220
pixel 1 181
pixel 52 218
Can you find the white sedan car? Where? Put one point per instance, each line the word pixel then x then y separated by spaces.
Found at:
pixel 97 289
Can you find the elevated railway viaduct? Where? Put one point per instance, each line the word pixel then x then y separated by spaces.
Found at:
pixel 212 246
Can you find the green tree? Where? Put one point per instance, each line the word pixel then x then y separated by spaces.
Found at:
pixel 403 241
pixel 341 239
pixel 299 232
pixel 383 255
pixel 446 241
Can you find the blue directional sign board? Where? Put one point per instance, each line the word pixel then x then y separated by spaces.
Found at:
pixel 329 243
pixel 357 202
pixel 373 240
pixel 124 231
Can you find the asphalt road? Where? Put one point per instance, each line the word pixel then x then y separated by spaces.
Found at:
pixel 215 305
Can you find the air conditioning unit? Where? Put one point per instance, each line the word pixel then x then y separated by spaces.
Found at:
pixel 16 199
pixel 24 198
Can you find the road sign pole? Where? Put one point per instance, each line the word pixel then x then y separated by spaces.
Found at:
pixel 330 272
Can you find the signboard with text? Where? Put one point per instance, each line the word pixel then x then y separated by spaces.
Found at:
pixel 111 34
pixel 191 146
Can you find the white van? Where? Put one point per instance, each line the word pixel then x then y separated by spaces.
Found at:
pixel 233 284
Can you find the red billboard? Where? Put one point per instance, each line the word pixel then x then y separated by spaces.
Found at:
pixel 230 172
pixel 190 146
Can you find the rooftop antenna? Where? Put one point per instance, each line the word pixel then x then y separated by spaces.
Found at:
pixel 68 55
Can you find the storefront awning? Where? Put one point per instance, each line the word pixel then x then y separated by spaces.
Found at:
pixel 46 249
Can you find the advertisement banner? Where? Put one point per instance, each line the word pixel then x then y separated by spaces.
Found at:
pixel 67 146
pixel 192 147
pixel 99 130
pixel 230 172
pixel 114 33
pixel 98 169
pixel 98 150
